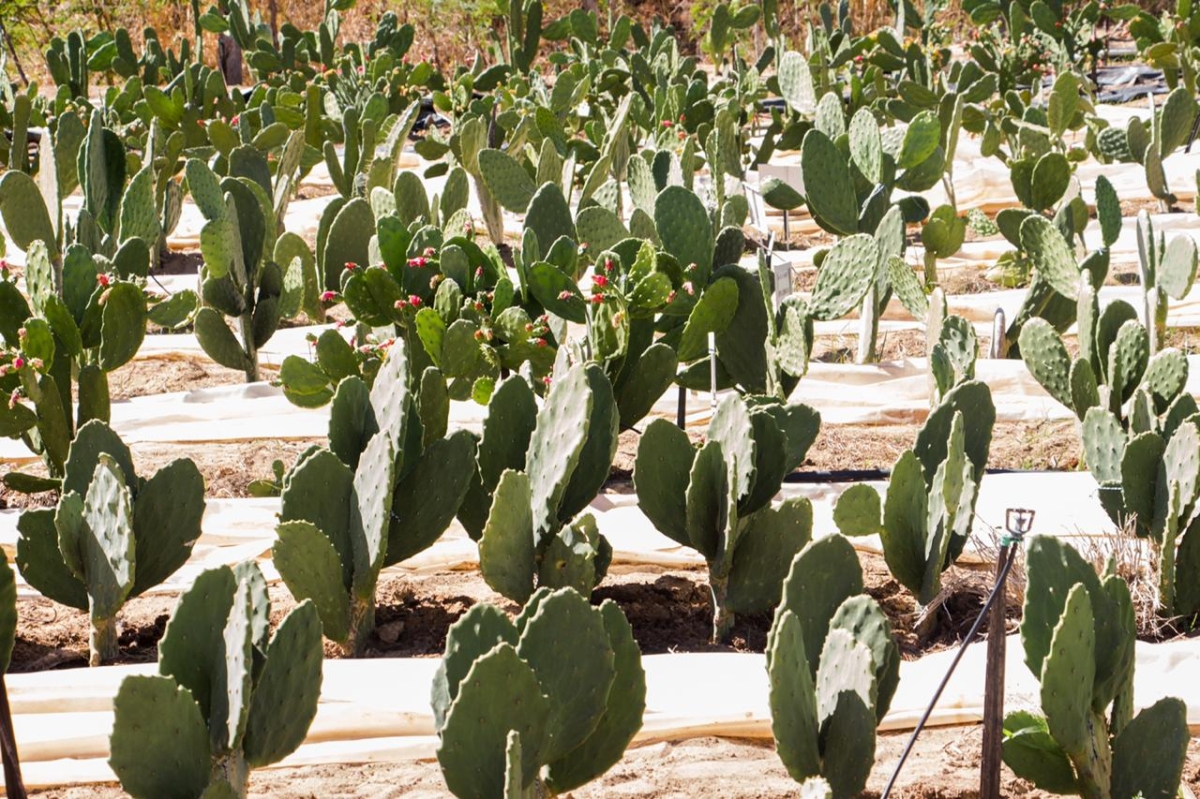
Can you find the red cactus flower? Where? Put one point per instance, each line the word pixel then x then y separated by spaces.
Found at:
pixel 666 123
pixel 418 263
pixel 351 266
pixel 564 295
pixel 600 280
pixel 597 299
pixel 414 301
pixel 18 362
pixel 328 296
pixel 103 279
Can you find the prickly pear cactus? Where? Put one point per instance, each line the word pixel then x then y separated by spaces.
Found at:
pixel 1079 632
pixel 930 504
pixel 228 698
pixel 518 714
pixel 718 500
pixel 833 669
pixel 532 535
pixel 113 535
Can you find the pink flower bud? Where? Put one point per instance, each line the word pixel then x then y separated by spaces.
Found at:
pixel 600 280
pixel 564 295
pixel 418 263
pixel 103 279
pixel 328 296
pixel 539 342
pixel 687 286
pixel 597 299
pixel 18 362
pixel 414 301
pixel 36 363
pixel 666 123
pixel 351 266
pixel 21 333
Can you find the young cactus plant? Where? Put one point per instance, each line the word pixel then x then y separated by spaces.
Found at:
pixel 717 500
pixel 833 669
pixel 1114 364
pixel 240 278
pixel 1151 479
pixel 1168 270
pixel 1079 634
pixel 229 697
pixel 541 468
pixel 113 535
pixel 927 516
pixel 521 716
pixel 386 489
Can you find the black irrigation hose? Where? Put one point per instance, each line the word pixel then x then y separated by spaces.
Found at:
pixel 858 475
pixel 1000 580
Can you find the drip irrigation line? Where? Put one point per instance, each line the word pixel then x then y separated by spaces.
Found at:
pixel 859 475
pixel 912 741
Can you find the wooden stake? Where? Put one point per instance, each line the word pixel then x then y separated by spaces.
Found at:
pixel 993 695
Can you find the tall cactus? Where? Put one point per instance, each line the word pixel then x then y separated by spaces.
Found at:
pixel 717 500
pixel 520 715
pixel 1078 633
pixel 229 696
pixel 833 669
pixel 113 535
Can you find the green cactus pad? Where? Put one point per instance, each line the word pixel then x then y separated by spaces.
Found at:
pixel 848 271
pixel 468 639
pixel 649 379
pixel 793 698
pixel 823 576
pixel 192 641
pixel 686 231
pixel 506 549
pixel 828 185
pixel 549 216
pixel 905 525
pixel 166 522
pixel 661 473
pixel 707 500
pixel 312 569
pixel 499 694
pixel 622 717
pixel 1068 674
pixel 25 216
pixel 1051 255
pixel 557 444
pixel 40 560
pixel 599 449
pixel 1149 754
pixel 320 490
pixel 771 539
pixel 1103 445
pixel 159 744
pixel 507 180
pixel 858 511
pixel 867 623
pixel 287 690
pixel 577 678
pixel 1047 359
pixel 426 500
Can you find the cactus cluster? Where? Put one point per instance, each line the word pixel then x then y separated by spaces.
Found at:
pixel 717 499
pixel 926 519
pixel 386 489
pixel 519 714
pixel 229 696
pixel 832 667
pixel 1078 632
pixel 113 535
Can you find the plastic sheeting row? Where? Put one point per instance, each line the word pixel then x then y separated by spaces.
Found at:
pixel 377 711
pixel 234 530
